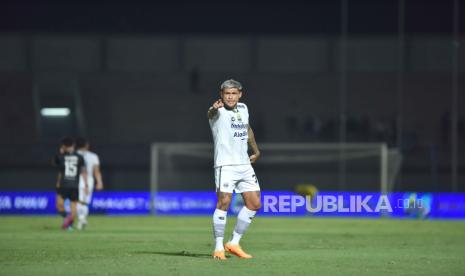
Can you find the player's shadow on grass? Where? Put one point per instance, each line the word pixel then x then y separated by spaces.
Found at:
pixel 180 254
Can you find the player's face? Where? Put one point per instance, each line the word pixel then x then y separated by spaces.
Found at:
pixel 231 96
pixel 69 149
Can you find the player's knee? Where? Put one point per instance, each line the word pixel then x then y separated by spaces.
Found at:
pixel 223 207
pixel 254 206
pixel 223 204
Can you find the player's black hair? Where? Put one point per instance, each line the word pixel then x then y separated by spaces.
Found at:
pixel 67 142
pixel 81 142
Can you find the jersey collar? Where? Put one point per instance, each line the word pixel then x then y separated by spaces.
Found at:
pixel 234 109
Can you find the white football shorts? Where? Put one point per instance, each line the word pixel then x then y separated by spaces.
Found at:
pixel 236 178
pixel 83 197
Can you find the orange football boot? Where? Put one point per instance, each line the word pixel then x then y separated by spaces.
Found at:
pixel 237 250
pixel 219 255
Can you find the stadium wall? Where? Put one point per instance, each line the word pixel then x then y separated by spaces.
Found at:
pixel 127 82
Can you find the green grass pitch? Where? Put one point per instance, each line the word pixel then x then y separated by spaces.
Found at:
pixel 281 246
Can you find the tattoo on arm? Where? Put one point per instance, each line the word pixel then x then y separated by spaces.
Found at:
pixel 251 142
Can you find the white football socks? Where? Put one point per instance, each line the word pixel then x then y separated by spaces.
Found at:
pixel 83 212
pixel 219 224
pixel 235 238
pixel 244 218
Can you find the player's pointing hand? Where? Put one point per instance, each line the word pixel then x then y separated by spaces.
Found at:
pixel 213 110
pixel 218 104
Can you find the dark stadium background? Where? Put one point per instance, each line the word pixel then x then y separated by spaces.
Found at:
pixel 134 73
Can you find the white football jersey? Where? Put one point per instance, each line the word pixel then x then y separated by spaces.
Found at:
pixel 91 160
pixel 230 134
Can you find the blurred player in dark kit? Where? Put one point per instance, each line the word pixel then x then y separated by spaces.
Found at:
pixel 70 166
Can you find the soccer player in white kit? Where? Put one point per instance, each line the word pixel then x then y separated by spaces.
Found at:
pixel 93 168
pixel 232 138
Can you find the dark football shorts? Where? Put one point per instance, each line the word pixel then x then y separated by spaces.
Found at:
pixel 69 193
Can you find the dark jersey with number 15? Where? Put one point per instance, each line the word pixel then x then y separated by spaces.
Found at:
pixel 70 166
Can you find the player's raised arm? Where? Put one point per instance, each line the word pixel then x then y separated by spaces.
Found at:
pixel 253 146
pixel 213 110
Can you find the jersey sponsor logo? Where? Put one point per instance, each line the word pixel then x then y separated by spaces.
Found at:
pixel 240 134
pixel 238 118
pixel 239 126
pixel 240 106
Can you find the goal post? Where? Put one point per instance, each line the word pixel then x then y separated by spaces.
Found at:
pixel 282 166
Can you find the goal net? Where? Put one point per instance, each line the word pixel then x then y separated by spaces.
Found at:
pixel 364 167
